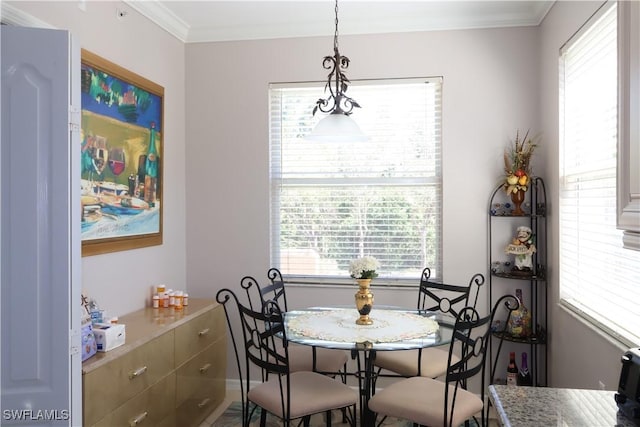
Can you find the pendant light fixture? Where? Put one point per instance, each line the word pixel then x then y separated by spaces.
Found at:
pixel 337 126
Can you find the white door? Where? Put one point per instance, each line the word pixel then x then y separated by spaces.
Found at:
pixel 40 216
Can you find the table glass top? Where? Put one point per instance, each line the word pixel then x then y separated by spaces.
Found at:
pixel 392 329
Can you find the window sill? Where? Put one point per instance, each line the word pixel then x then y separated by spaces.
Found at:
pixel 332 282
pixel 614 338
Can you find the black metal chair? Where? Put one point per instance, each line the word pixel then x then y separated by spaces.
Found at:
pixel 302 357
pixel 429 402
pixel 286 394
pixel 432 296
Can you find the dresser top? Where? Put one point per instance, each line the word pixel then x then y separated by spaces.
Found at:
pixel 144 325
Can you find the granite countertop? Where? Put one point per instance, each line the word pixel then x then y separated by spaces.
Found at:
pixel 546 406
pixel 144 325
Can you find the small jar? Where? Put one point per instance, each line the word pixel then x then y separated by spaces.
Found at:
pixel 172 299
pixel 165 301
pixel 185 299
pixel 160 290
pixel 177 301
pixel 156 301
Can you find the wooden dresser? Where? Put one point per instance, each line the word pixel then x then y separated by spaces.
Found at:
pixel 170 372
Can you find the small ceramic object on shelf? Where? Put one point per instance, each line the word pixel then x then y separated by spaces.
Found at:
pixel 523 247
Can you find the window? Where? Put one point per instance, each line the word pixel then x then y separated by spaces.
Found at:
pixel 598 278
pixel 333 202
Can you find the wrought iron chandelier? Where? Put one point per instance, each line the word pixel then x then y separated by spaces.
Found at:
pixel 337 126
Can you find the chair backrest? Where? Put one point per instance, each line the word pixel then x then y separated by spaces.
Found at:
pixel 471 334
pixel 435 296
pixel 274 291
pixel 261 343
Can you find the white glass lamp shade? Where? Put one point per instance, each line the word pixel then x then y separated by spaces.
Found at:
pixel 337 127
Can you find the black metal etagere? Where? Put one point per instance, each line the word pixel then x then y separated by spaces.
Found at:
pixel 502 225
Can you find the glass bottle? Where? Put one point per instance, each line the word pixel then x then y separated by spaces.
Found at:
pixel 519 324
pixel 132 185
pixel 142 160
pixel 512 370
pixel 151 168
pixel 524 376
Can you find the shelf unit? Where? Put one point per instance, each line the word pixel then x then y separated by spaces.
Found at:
pixel 502 225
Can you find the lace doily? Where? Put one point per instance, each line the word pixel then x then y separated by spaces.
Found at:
pixel 340 326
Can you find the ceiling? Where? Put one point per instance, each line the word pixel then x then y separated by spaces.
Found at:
pixel 204 21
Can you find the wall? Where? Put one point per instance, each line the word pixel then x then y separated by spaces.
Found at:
pixel 579 356
pixel 121 281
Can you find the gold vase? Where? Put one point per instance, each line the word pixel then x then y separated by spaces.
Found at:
pixel 364 301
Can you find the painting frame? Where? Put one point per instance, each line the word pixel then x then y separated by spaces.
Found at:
pixel 122 118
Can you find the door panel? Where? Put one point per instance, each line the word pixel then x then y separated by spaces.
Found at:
pixel 39 177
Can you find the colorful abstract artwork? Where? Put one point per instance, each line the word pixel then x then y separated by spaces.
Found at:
pixel 121 158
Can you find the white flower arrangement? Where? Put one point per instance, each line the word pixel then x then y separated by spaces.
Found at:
pixel 364 268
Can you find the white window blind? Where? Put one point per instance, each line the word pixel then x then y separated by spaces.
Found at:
pixel 334 202
pixel 598 278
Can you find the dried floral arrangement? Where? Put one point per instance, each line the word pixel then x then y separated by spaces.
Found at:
pixel 517 166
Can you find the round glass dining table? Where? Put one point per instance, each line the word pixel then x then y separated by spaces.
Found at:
pixel 393 329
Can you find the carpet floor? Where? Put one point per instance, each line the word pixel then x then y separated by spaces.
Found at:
pixel 232 417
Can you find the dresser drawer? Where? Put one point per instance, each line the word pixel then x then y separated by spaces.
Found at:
pixel 153 407
pixel 119 380
pixel 201 393
pixel 198 334
pixel 204 375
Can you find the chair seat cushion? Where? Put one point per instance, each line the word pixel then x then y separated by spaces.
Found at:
pixel 327 360
pixel 311 393
pixel 433 362
pixel 421 400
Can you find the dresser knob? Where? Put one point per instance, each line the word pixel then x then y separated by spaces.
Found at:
pixel 204 403
pixel 203 332
pixel 137 372
pixel 133 422
pixel 205 368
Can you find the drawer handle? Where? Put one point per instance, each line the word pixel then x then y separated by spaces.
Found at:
pixel 205 368
pixel 133 422
pixel 137 372
pixel 204 403
pixel 203 332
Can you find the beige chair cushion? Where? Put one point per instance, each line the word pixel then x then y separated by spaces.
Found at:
pixel 405 362
pixel 327 360
pixel 311 393
pixel 421 400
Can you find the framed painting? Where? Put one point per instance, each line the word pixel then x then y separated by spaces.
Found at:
pixel 121 158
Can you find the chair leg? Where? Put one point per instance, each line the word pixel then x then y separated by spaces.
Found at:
pixel 352 418
pixel 343 377
pixel 328 413
pixel 307 421
pixel 263 417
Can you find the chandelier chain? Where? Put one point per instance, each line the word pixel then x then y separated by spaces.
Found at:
pixel 335 35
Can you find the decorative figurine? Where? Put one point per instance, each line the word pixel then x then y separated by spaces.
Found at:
pixel 523 247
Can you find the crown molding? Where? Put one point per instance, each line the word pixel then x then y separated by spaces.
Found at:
pixel 12 16
pixel 161 16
